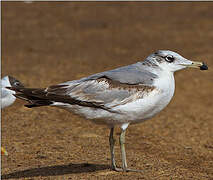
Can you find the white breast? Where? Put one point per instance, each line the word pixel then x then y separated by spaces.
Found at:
pixel 7 97
pixel 153 102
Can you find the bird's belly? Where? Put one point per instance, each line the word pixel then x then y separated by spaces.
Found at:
pixel 133 112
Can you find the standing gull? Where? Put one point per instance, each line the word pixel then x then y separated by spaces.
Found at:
pixel 123 96
pixel 7 97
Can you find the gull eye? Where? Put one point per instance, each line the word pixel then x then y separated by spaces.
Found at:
pixel 169 58
pixel 16 83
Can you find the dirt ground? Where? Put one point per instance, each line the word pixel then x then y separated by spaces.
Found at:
pixel 48 43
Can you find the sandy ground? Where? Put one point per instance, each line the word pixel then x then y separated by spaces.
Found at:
pixel 49 43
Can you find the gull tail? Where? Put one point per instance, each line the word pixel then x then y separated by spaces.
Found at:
pixel 35 96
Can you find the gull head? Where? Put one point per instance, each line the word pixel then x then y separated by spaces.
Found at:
pixel 14 82
pixel 9 81
pixel 172 61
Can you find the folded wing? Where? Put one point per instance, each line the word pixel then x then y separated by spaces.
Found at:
pixel 104 90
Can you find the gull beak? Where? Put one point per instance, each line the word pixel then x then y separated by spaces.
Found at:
pixel 194 64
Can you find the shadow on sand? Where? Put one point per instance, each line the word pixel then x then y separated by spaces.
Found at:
pixel 56 170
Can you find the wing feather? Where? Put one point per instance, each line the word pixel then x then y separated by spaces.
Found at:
pixel 102 92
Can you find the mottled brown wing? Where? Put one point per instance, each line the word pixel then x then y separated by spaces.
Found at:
pixel 100 93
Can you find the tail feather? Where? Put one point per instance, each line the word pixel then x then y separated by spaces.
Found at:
pixel 38 103
pixel 35 97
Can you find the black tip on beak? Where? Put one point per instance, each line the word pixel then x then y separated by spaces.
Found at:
pixel 204 67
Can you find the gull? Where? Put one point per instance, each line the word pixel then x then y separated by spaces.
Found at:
pixel 118 97
pixel 7 97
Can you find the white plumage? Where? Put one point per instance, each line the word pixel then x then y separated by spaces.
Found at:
pixel 7 97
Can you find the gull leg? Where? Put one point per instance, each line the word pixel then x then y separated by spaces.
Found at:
pixel 112 149
pixel 123 153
